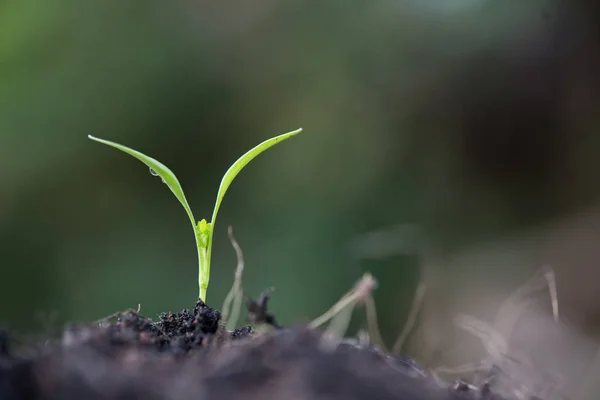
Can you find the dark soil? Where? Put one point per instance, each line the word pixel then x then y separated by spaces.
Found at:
pixel 188 355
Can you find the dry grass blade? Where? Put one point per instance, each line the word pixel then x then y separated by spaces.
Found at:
pixel 236 309
pixel 496 337
pixel 341 313
pixel 551 278
pixel 361 291
pixel 336 330
pixel 373 325
pixel 495 344
pixel 412 318
pixel 236 290
pixel 513 307
pixel 363 338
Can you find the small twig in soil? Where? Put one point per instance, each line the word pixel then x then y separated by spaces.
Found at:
pixel 411 320
pixel 236 292
pixel 257 310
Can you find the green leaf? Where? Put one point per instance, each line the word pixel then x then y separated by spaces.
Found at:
pixel 231 173
pixel 167 176
pixel 241 163
pixel 201 231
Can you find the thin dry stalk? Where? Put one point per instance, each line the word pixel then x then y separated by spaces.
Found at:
pixel 372 324
pixel 345 301
pixel 336 330
pixel 495 344
pixel 513 307
pixel 236 288
pixel 341 313
pixel 551 278
pixel 363 338
pixel 412 318
pixel 400 239
pixel 496 337
pixel 361 291
pixel 236 309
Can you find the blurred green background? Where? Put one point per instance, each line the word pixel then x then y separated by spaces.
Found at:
pixel 470 119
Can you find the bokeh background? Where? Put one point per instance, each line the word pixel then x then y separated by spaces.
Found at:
pixel 468 128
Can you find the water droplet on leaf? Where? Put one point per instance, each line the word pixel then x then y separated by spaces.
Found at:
pixel 154 173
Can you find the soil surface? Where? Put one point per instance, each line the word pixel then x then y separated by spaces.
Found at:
pixel 188 355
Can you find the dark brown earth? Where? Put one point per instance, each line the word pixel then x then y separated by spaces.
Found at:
pixel 188 355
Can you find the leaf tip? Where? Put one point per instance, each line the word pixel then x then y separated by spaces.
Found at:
pixel 95 139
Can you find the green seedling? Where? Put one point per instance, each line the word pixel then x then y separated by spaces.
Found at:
pixel 203 230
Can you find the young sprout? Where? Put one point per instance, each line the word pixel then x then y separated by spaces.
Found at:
pixel 203 230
